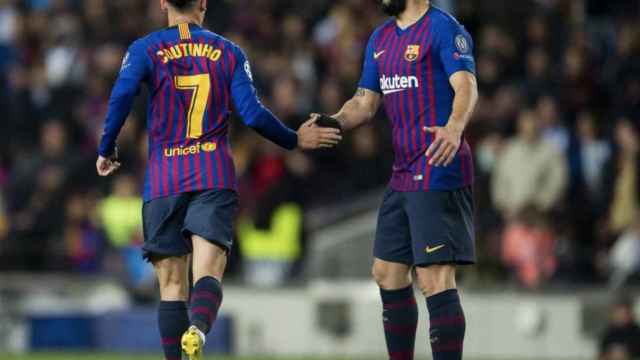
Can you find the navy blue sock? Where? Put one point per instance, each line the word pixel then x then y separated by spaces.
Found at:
pixel 173 321
pixel 400 317
pixel 205 302
pixel 447 325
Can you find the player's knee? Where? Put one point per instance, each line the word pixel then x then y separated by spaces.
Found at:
pixel 389 278
pixel 208 259
pixel 436 279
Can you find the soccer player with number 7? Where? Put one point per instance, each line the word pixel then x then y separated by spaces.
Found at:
pixel 193 76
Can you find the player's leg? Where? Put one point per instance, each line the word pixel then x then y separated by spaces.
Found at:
pixel 209 224
pixel 442 235
pixel 173 317
pixel 209 262
pixel 447 323
pixel 392 272
pixel 165 247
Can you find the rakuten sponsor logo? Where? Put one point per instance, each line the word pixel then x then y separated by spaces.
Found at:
pixel 397 83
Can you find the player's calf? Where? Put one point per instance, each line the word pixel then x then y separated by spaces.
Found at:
pixel 209 262
pixel 400 312
pixel 446 316
pixel 173 317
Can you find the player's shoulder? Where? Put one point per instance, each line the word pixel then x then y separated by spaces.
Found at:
pixel 219 40
pixel 444 20
pixel 386 26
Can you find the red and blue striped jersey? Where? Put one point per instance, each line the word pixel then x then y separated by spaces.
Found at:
pixel 193 76
pixel 411 69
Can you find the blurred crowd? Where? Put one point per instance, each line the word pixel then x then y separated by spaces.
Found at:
pixel 555 134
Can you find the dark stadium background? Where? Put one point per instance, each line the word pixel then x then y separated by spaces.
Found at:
pixel 563 75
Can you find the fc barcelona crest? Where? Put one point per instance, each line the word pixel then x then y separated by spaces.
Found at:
pixel 412 53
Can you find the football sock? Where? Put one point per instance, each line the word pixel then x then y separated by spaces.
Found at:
pixel 173 321
pixel 447 325
pixel 400 319
pixel 205 302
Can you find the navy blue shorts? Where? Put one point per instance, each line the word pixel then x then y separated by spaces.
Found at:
pixel 169 222
pixel 426 228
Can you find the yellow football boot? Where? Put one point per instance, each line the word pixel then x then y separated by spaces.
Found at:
pixel 192 343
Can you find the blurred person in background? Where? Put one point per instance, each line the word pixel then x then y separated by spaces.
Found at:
pixel 37 196
pixel 529 172
pixel 588 155
pixel 119 214
pixel 552 127
pixel 624 256
pixel 529 248
pixel 190 197
pixel 623 183
pixel 271 233
pixel 432 172
pixel 620 339
pixel 83 239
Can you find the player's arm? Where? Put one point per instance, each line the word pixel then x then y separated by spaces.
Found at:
pixel 448 138
pixel 134 69
pixel 259 118
pixel 456 54
pixel 363 106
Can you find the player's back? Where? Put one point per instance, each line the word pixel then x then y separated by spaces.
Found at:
pixel 189 106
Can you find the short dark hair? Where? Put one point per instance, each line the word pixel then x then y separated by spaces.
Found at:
pixel 181 4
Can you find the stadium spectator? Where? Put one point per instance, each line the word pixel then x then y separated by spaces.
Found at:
pixel 83 240
pixel 529 172
pixel 529 248
pixel 624 257
pixel 620 339
pixel 622 184
pixel 119 214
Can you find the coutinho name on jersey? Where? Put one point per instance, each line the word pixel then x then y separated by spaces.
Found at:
pixel 189 50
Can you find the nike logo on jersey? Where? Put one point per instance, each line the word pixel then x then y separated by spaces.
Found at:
pixel 376 55
pixel 397 83
pixel 430 249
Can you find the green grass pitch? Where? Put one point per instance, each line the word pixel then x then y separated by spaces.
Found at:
pixel 93 356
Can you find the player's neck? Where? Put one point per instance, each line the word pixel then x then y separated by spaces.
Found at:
pixel 176 18
pixel 415 11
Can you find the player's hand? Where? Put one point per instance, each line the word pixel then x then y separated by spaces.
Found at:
pixel 312 136
pixel 106 166
pixel 443 149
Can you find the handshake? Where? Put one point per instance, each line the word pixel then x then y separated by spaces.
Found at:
pixel 320 131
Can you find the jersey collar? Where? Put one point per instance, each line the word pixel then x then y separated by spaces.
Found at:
pixel 400 31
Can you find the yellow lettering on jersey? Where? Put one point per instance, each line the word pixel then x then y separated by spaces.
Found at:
pixel 185 49
pixel 215 55
pixel 189 50
pixel 207 50
pixel 183 150
pixel 163 55
pixel 197 49
pixel 175 52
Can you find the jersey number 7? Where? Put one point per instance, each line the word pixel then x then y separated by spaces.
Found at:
pixel 200 85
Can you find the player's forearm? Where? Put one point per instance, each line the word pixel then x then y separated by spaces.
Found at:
pixel 260 119
pixel 270 127
pixel 120 105
pixel 355 112
pixel 464 103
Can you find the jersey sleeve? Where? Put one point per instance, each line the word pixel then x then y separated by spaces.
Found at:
pixel 370 79
pixel 251 110
pixel 136 66
pixel 456 49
